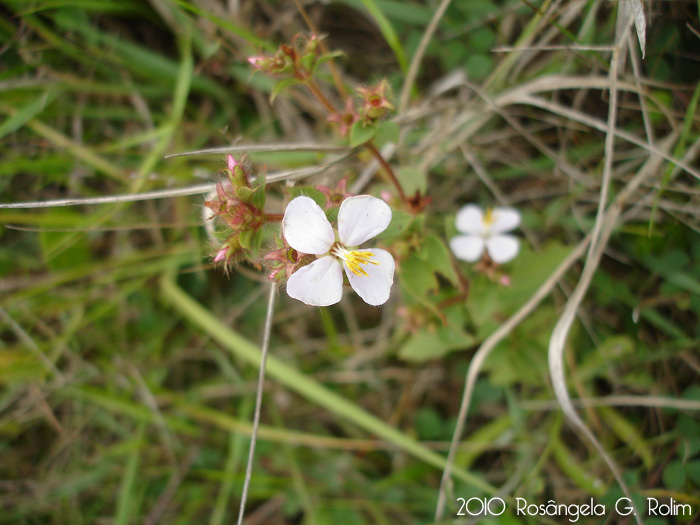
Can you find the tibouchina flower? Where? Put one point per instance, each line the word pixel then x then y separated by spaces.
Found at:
pixel 370 272
pixel 486 231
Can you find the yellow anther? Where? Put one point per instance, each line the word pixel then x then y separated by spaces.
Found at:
pixel 354 259
pixel 488 217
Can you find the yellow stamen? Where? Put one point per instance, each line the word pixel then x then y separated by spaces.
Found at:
pixel 353 259
pixel 488 217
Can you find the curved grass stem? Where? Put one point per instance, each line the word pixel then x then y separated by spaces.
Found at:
pixel 258 399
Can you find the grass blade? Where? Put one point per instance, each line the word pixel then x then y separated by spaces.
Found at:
pixel 305 386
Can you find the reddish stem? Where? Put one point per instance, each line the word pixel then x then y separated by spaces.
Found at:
pixel 369 145
pixel 321 98
pixel 387 169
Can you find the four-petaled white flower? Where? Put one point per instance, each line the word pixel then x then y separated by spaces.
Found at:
pixel 307 230
pixel 486 231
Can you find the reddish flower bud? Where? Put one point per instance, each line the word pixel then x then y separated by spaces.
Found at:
pixel 335 196
pixel 346 119
pixel 376 102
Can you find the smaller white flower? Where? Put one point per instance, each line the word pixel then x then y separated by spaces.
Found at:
pixel 485 231
pixel 307 230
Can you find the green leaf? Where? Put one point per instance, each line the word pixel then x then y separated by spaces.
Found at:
pixel 412 180
pixel 481 440
pixel 359 133
pixel 332 214
pixel 529 271
pixel 256 242
pixel 127 502
pixel 258 198
pixel 281 86
pixel 434 341
pixel 417 277
pixel 429 424
pixel 669 269
pixel 479 66
pixel 674 475
pixel 245 193
pixel 437 256
pixel 386 132
pixel 308 191
pixel 423 346
pixel 692 469
pixel 400 224
pixel 573 469
pixel 20 117
pixel 483 301
pixel 245 239
pixel 327 57
pixel 64 250
pixel 627 432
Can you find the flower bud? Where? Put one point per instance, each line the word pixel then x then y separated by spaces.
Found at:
pixel 376 102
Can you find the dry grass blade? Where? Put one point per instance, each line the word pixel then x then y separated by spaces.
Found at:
pixel 242 148
pixel 602 230
pixel 132 197
pixel 640 24
pixel 198 189
pixel 485 350
pixel 258 398
pixel 610 401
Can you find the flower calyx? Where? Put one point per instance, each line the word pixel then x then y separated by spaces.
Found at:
pixel 376 102
pixel 238 204
pixel 335 196
pixel 298 59
pixel 346 118
pixel 284 261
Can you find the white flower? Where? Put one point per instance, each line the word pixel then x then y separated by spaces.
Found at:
pixel 307 230
pixel 486 231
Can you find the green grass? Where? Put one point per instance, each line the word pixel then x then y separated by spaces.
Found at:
pixel 128 361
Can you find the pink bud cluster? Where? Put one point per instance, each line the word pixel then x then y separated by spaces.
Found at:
pixel 298 59
pixel 239 206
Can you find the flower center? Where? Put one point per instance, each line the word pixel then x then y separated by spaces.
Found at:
pixel 488 217
pixel 353 258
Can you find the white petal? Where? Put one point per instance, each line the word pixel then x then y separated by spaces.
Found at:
pixel 361 218
pixel 318 284
pixel 467 247
pixel 470 220
pixel 374 288
pixel 504 219
pixel 306 227
pixel 502 248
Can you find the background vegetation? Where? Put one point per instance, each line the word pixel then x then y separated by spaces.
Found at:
pixel 127 360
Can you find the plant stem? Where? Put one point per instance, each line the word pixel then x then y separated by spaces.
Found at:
pixel 387 169
pixel 324 49
pixel 321 98
pixel 258 400
pixel 369 145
